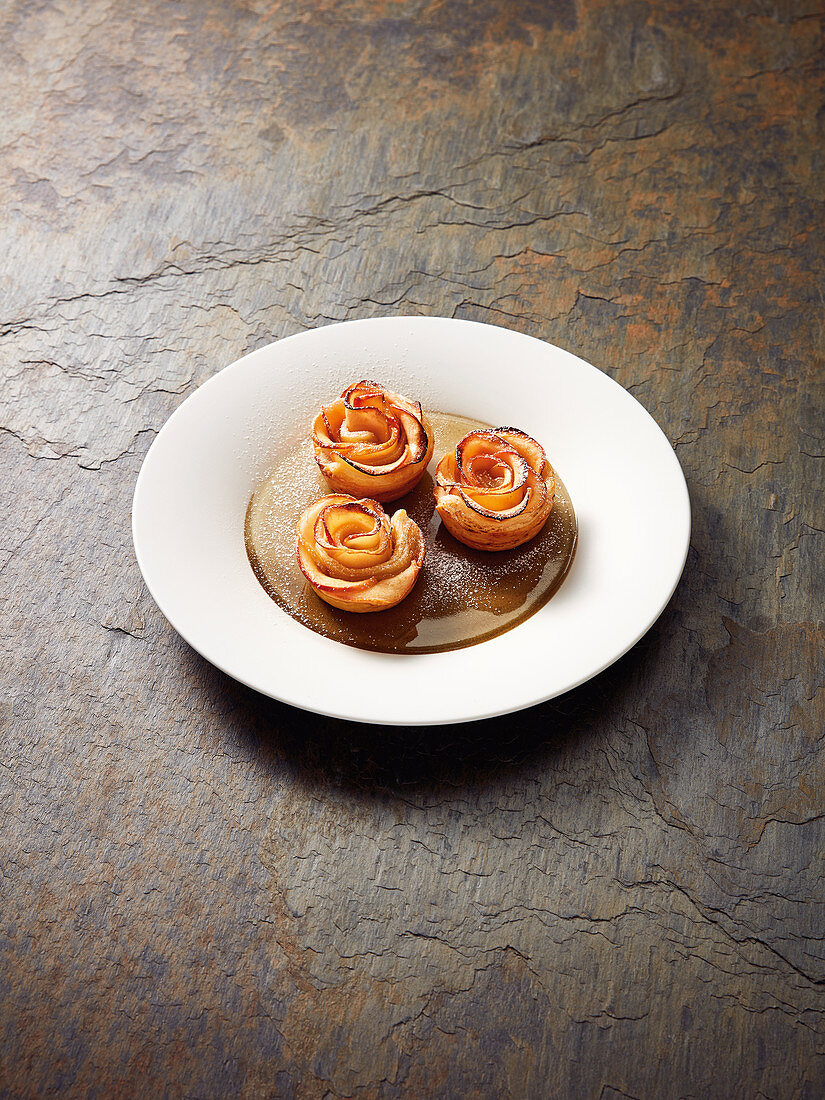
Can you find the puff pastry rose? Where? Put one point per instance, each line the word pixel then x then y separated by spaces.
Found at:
pixel 372 443
pixel 356 557
pixel 495 491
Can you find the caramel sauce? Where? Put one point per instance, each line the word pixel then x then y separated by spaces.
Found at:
pixel 462 596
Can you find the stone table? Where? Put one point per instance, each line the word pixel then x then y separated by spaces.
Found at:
pixel 208 894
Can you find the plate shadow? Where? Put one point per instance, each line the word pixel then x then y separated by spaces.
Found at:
pixel 372 761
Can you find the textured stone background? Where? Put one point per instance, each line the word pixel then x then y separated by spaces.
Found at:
pixel 207 894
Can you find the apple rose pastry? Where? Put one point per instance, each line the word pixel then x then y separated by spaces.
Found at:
pixel 355 556
pixel 372 443
pixel 495 491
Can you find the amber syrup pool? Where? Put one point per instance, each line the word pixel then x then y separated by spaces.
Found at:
pixel 462 596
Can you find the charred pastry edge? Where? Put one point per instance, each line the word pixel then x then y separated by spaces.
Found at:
pixel 378 471
pixel 377 388
pixel 510 513
pixel 492 433
pixel 526 470
pixel 517 431
pixel 489 433
pixel 424 442
pixel 523 435
pixel 358 506
pixel 412 407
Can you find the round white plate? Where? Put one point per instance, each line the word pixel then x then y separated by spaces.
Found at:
pixel 625 481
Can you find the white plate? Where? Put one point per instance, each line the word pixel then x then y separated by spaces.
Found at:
pixel 625 481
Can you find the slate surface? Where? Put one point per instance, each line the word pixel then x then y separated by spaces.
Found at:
pixel 206 894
